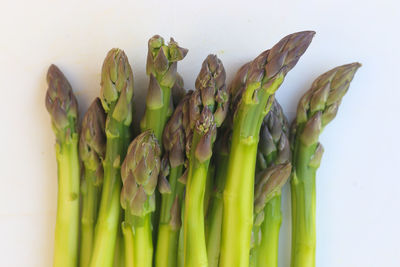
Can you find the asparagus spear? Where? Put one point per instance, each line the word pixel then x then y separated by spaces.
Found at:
pixel 250 105
pixel 139 173
pixel 273 167
pixel 222 147
pixel 116 97
pixel 92 148
pixel 63 108
pixel 161 66
pixel 162 62
pixel 316 109
pixel 174 136
pixel 208 109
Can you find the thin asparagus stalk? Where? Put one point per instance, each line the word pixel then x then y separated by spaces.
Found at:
pixel 63 108
pixel 273 168
pixel 316 109
pixel 175 133
pixel 250 105
pixel 92 148
pixel 214 215
pixel 208 109
pixel 139 173
pixel 116 97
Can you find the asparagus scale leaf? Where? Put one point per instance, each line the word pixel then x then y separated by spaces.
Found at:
pixel 92 148
pixel 316 109
pixel 116 97
pixel 63 109
pixel 250 105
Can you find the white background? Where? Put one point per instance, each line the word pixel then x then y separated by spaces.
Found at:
pixel 358 194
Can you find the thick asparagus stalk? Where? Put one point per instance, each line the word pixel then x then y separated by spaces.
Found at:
pixel 316 109
pixel 63 108
pixel 162 61
pixel 116 97
pixel 139 173
pixel 92 148
pixel 175 133
pixel 222 148
pixel 250 105
pixel 208 109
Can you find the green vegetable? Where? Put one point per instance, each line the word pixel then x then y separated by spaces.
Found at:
pixel 250 105
pixel 175 133
pixel 116 97
pixel 63 108
pixel 208 109
pixel 139 173
pixel 316 109
pixel 273 167
pixel 92 148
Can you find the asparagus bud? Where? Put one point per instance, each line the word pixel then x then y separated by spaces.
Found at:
pixel 61 104
pixel 92 144
pixel 139 173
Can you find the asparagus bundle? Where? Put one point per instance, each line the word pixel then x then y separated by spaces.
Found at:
pixel 208 109
pixel 236 183
pixel 116 97
pixel 273 167
pixel 316 109
pixel 63 109
pixel 92 148
pixel 250 105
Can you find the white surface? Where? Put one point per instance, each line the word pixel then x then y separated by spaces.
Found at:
pixel 358 183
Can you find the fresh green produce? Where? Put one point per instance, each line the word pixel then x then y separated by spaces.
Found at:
pixel 116 97
pixel 207 110
pixel 250 105
pixel 63 109
pixel 273 167
pixel 175 134
pixel 92 148
pixel 316 109
pixel 139 173
pixel 170 197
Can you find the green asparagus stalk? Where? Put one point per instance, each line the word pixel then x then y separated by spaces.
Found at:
pixel 208 109
pixel 139 172
pixel 214 214
pixel 222 148
pixel 161 66
pixel 116 97
pixel 174 136
pixel 316 109
pixel 273 171
pixel 92 148
pixel 63 108
pixel 250 105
